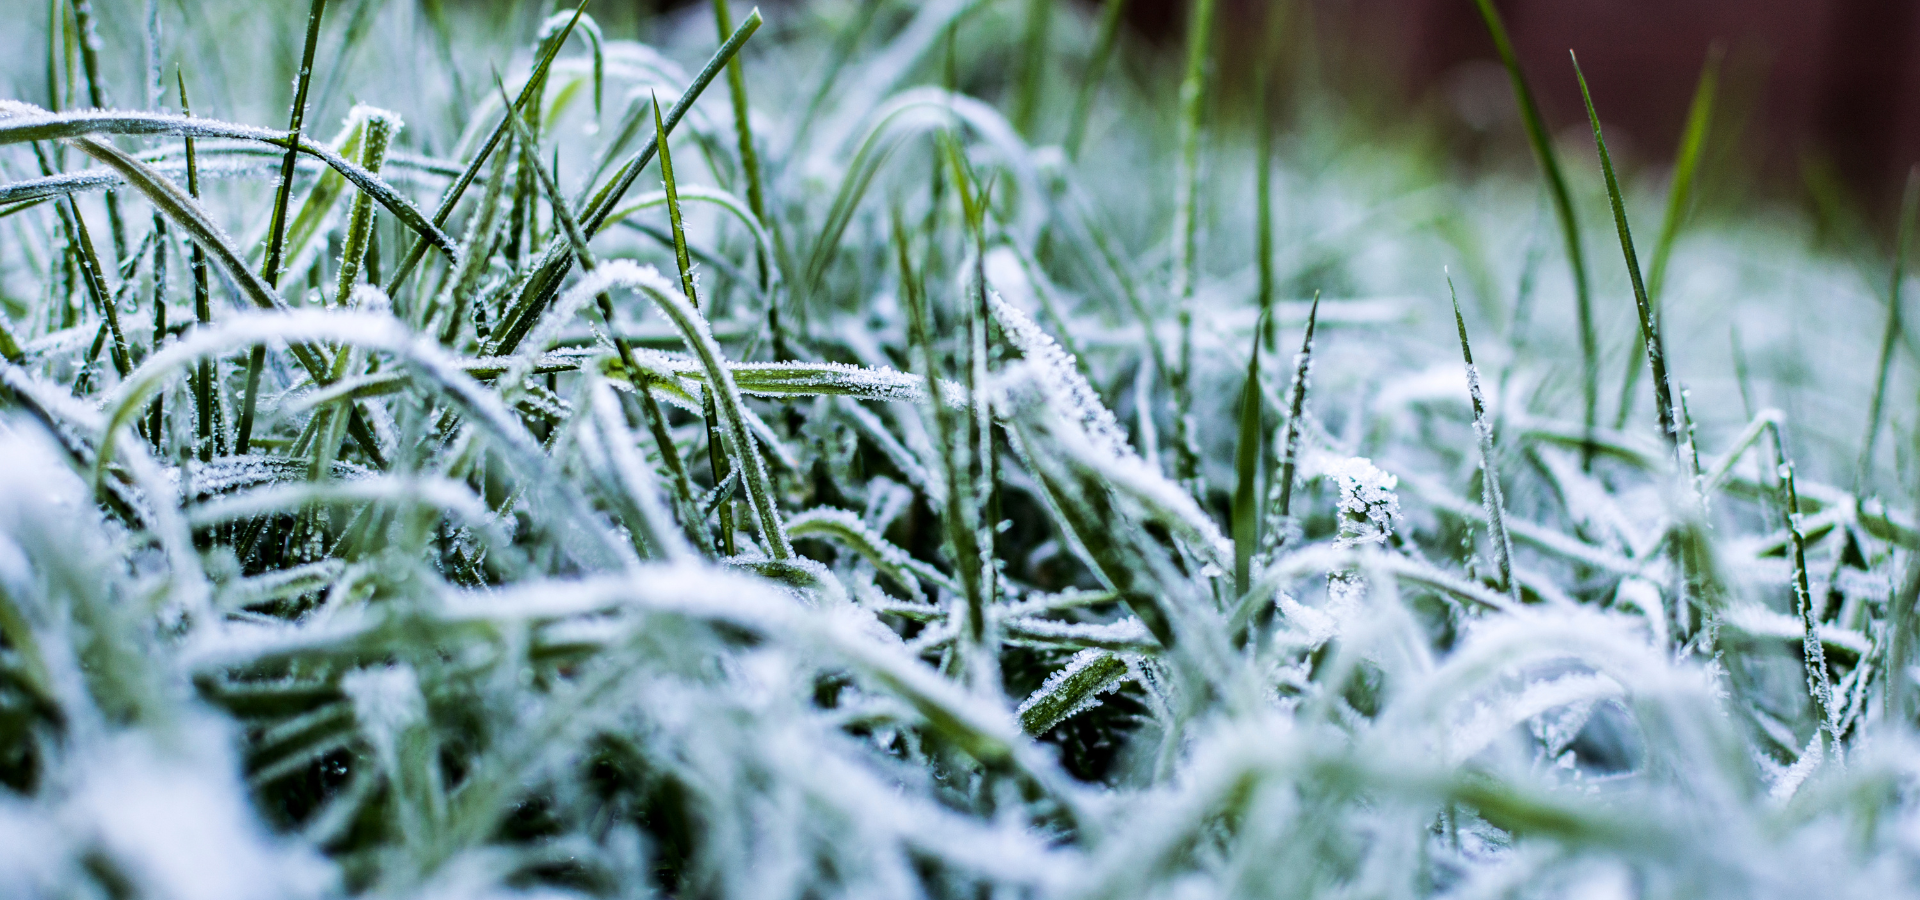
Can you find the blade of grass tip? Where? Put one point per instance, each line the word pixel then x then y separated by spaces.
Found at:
pixel 1909 202
pixel 418 249
pixel 211 440
pixel 89 36
pixel 1033 64
pixel 1649 325
pixel 1537 137
pixel 277 224
pixel 519 320
pixel 1109 37
pixel 1296 407
pixel 1247 465
pixel 1813 655
pixel 1679 202
pixel 1193 92
pixel 1490 496
pixel 716 452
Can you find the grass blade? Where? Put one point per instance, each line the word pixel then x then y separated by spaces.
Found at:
pixel 716 456
pixel 380 126
pixel 546 281
pixel 459 187
pixel 1108 37
pixel 1542 144
pixel 1679 203
pixel 276 227
pixel 1193 94
pixel 1296 407
pixel 1909 203
pixel 1491 498
pixel 1248 464
pixel 1649 322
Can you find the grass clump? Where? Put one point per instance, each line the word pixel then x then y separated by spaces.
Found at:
pixel 467 517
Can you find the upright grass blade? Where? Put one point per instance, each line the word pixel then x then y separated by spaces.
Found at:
pixel 742 120
pixel 277 225
pixel 455 191
pixel 1263 196
pixel 716 455
pixel 95 279
pixel 210 437
pixel 1649 322
pixel 97 95
pixel 1490 496
pixel 1909 203
pixel 1813 653
pixel 1686 166
pixel 1537 136
pixel 1248 463
pixel 1193 95
pixel 1108 37
pixel 1033 64
pixel 1296 407
pixel 962 537
pixel 380 127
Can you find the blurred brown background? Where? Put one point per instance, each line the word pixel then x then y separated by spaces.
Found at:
pixel 1810 86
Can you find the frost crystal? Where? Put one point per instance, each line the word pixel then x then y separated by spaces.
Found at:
pixel 1368 505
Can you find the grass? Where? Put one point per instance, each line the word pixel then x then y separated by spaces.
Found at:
pixel 465 517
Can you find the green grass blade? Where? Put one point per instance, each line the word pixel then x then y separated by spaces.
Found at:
pixel 1813 654
pixel 1542 144
pixel 1909 205
pixel 1649 321
pixel 1490 494
pixel 276 227
pixel 742 121
pixel 1108 38
pixel 211 437
pixel 455 191
pixel 1296 407
pixel 716 455
pixel 1033 64
pixel 97 94
pixel 1248 465
pixel 380 127
pixel 1679 203
pixel 546 281
pixel 1193 95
